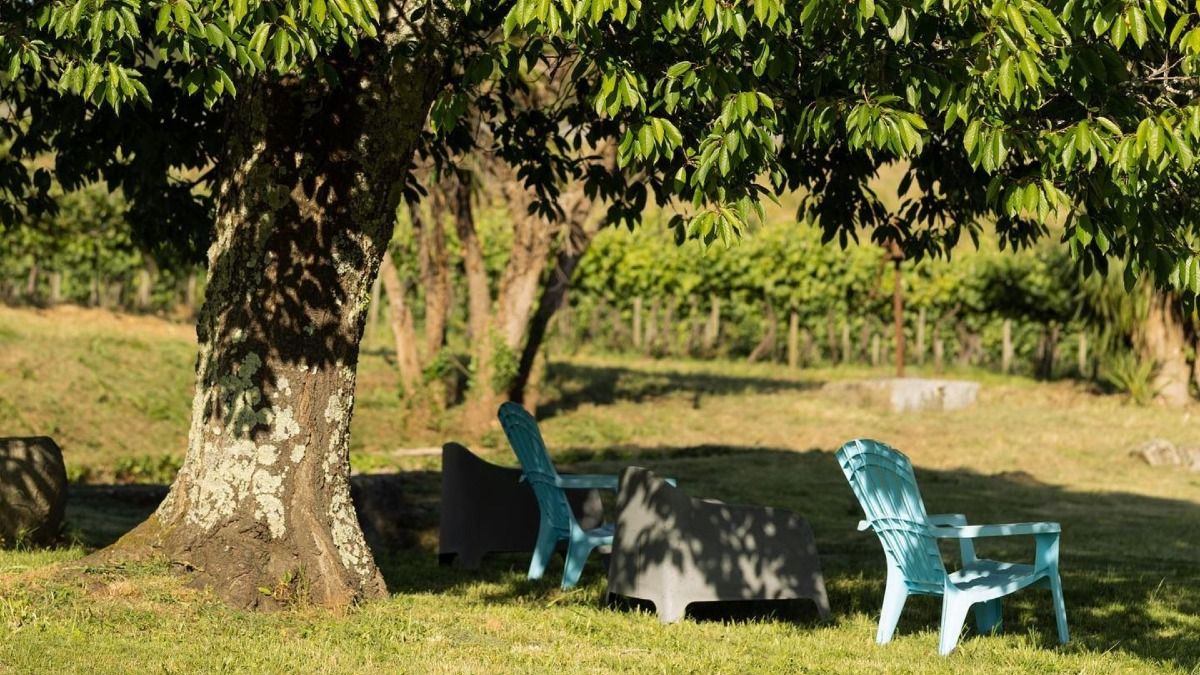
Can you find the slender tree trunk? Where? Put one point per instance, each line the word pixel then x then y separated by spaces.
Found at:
pixel 144 286
pixel 767 344
pixel 637 322
pixel 580 231
pixel 1048 353
pixel 651 338
pixel 793 340
pixel 56 279
pixel 831 338
pixel 434 265
pixel 31 282
pixel 712 328
pixel 939 354
pixel 847 351
pixel 669 330
pixel 520 282
pixel 404 333
pixel 260 510
pixel 864 342
pixel 921 336
pixel 808 347
pixel 1006 347
pixel 876 350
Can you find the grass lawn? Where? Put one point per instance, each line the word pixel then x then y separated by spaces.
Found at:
pixel 114 391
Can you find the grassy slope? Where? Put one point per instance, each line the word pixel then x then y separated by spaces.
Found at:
pixel 110 386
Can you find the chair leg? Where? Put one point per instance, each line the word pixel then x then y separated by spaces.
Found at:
pixel 894 597
pixel 543 550
pixel 1060 607
pixel 954 614
pixel 577 555
pixel 669 611
pixel 988 617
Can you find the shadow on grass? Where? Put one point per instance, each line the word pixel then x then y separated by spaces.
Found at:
pixel 604 385
pixel 1130 563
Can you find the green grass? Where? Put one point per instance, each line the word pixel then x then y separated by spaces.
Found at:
pixel 743 433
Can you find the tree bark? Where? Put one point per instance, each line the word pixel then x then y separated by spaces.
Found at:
pixel 434 264
pixel 31 282
pixel 847 351
pixel 404 332
pixel 1161 339
pixel 637 322
pixel 939 354
pixel 651 339
pixel 831 338
pixel 767 344
pixel 580 231
pixel 921 336
pixel 307 193
pixel 56 287
pixel 1048 352
pixel 506 328
pixel 712 329
pixel 374 310
pixel 144 287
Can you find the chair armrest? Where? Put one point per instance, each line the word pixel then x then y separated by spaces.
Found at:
pixel 1005 530
pixel 586 481
pixel 966 548
pixel 941 519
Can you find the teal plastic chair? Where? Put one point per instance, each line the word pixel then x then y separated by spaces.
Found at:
pixel 557 522
pixel 882 478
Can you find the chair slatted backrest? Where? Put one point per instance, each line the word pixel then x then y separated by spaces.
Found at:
pixel 882 478
pixel 526 441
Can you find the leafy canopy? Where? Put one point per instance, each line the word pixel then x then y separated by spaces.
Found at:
pixel 1014 112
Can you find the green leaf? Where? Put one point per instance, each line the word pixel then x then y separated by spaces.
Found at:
pixel 971 136
pixel 1138 25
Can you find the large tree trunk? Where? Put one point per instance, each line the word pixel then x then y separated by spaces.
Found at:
pixel 1161 339
pixel 261 510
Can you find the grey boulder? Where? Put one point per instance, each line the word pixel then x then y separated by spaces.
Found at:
pixel 33 490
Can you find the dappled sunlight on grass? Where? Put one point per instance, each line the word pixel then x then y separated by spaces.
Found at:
pixel 742 433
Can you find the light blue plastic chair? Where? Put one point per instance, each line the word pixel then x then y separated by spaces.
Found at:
pixel 557 523
pixel 882 478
